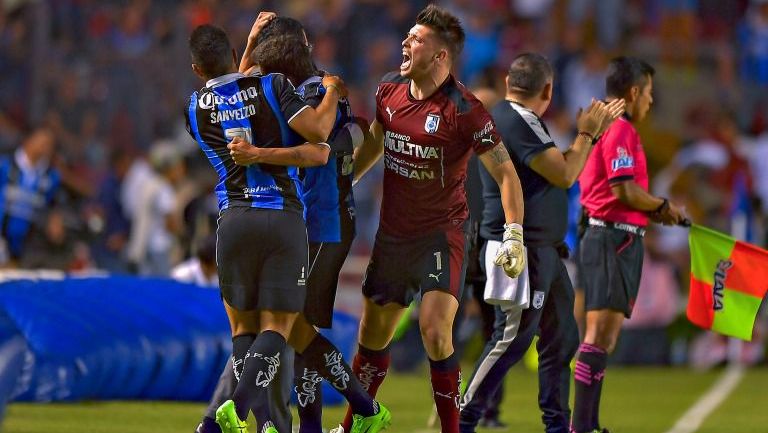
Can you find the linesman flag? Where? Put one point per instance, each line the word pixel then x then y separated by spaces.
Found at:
pixel 729 279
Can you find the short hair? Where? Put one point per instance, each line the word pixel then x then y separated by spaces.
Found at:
pixel 210 50
pixel 528 74
pixel 625 73
pixel 285 54
pixel 281 26
pixel 446 26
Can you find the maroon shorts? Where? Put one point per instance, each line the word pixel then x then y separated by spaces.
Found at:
pixel 401 267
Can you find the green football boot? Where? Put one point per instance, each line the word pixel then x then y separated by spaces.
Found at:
pixel 227 419
pixel 373 423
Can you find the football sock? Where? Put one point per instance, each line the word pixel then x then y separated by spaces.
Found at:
pixel 370 367
pixel 588 380
pixel 240 346
pixel 323 356
pixel 446 383
pixel 308 392
pixel 260 365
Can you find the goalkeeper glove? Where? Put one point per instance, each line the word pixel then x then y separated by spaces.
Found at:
pixel 511 254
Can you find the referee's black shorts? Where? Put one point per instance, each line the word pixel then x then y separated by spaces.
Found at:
pixel 261 255
pixel 325 262
pixel 611 261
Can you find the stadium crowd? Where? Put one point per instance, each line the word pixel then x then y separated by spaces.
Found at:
pixel 91 96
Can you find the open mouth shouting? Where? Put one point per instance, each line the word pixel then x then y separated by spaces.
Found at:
pixel 406 62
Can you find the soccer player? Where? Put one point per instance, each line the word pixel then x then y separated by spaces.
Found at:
pixel 261 237
pixel 327 195
pixel 331 229
pixel 614 194
pixel 426 125
pixel 545 174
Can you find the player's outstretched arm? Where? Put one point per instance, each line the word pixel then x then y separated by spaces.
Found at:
pixel 261 21
pixel 316 124
pixel 659 209
pixel 370 151
pixel 304 155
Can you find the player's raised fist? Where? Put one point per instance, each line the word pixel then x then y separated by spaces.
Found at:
pixel 335 82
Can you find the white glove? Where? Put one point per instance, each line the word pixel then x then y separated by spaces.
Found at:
pixel 511 254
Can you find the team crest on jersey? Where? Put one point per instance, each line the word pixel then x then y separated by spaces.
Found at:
pixel 433 121
pixel 623 160
pixel 538 299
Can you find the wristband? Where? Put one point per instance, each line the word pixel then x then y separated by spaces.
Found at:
pixel 338 92
pixel 588 136
pixel 663 206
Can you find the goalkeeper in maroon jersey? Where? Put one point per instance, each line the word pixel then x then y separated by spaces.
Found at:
pixel 427 124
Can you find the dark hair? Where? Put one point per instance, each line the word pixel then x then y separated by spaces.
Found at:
pixel 528 74
pixel 281 26
pixel 285 54
pixel 624 73
pixel 210 50
pixel 446 26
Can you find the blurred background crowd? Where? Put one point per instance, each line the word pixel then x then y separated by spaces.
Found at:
pixel 92 95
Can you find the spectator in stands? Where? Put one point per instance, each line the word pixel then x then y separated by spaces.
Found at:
pixel 156 219
pixel 200 269
pixel 584 79
pixel 752 37
pixel 50 248
pixel 28 186
pixel 108 217
pixel 608 19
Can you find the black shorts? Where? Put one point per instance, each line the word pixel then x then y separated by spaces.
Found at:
pixel 325 262
pixel 261 255
pixel 610 265
pixel 401 267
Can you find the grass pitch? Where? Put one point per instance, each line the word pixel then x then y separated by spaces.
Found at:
pixel 638 400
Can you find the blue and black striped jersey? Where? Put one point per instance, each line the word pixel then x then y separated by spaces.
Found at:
pixel 25 193
pixel 257 108
pixel 328 188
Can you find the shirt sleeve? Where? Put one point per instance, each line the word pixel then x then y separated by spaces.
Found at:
pixel 477 127
pixel 618 144
pixel 187 124
pixel 530 138
pixel 379 110
pixel 290 102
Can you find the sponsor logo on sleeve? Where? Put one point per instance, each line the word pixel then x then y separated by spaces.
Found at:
pixel 484 133
pixel 622 160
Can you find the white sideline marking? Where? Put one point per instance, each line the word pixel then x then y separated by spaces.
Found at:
pixel 695 416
